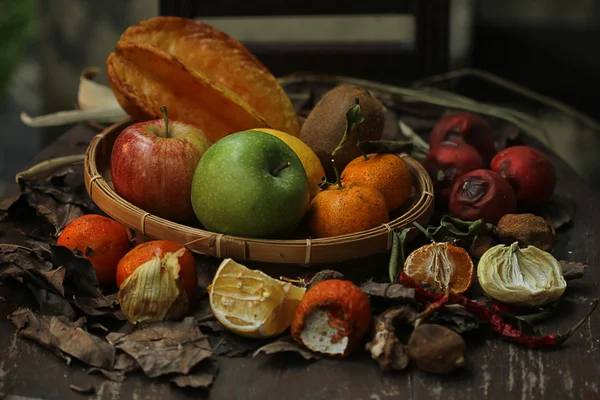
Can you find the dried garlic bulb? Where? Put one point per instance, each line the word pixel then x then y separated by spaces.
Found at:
pixel 524 277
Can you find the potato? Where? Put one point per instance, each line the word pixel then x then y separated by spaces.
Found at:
pixel 207 50
pixel 147 78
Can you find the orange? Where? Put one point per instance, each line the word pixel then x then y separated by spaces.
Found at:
pixel 250 303
pixel 332 317
pixel 387 173
pixel 99 239
pixel 446 267
pixel 144 252
pixel 353 208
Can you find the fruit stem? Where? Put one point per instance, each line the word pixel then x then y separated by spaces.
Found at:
pixel 353 120
pixel 163 110
pixel 298 281
pixel 358 141
pixel 281 168
pixel 338 181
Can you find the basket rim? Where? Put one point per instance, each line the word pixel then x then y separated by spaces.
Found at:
pixel 96 183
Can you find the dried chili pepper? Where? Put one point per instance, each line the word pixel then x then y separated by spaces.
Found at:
pixel 484 313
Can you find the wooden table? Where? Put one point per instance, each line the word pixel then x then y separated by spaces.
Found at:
pixel 495 369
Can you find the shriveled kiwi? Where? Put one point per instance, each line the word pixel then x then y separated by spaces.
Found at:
pixel 325 126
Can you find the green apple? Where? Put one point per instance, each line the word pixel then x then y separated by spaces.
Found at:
pixel 250 184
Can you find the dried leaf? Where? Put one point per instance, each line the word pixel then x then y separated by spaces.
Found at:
pixel 572 269
pixel 55 278
pixel 92 95
pixel 81 271
pixel 165 347
pixel 96 103
pixel 51 303
pixel 385 347
pixel 455 317
pixel 59 199
pixel 115 376
pixel 97 306
pixel 389 291
pixel 17 260
pixel 560 209
pixel 124 362
pixel 202 376
pixel 64 337
pixel 287 344
pixel 225 343
pixel 83 390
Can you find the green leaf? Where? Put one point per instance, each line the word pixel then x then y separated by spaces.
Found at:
pixel 398 240
pixel 353 120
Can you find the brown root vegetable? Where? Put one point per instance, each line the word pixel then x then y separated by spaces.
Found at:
pixel 527 229
pixel 385 347
pixel 326 124
pixel 436 349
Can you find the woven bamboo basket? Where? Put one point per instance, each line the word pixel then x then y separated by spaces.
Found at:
pixel 301 251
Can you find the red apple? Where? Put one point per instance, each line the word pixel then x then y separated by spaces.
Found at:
pixel 153 163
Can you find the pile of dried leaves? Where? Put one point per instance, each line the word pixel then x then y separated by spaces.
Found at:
pixel 65 311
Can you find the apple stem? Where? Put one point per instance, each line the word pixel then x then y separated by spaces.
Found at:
pixel 281 168
pixel 163 110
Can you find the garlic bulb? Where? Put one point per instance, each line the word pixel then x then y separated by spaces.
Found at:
pixel 524 277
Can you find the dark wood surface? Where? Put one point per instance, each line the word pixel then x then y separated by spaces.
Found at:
pixel 495 369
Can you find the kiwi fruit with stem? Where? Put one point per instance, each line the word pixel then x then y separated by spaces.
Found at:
pixel 325 125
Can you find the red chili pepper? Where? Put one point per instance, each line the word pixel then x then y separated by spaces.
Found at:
pixel 484 313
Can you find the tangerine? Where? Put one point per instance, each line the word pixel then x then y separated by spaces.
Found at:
pixel 446 267
pixel 101 240
pixel 387 173
pixel 344 209
pixel 144 252
pixel 332 317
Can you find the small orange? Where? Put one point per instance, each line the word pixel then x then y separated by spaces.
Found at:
pixel 446 267
pixel 101 240
pixel 387 173
pixel 353 207
pixel 158 248
pixel 332 317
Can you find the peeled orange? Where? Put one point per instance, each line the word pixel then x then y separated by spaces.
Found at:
pixel 446 267
pixel 250 303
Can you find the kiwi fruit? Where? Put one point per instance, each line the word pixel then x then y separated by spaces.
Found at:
pixel 325 125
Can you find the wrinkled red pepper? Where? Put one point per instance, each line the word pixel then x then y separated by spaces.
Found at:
pixel 489 315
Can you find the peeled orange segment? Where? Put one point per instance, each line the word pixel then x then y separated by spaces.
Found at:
pixel 446 267
pixel 147 78
pixel 204 48
pixel 251 303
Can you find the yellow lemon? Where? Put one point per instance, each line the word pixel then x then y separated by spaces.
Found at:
pixel 250 303
pixel 311 163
